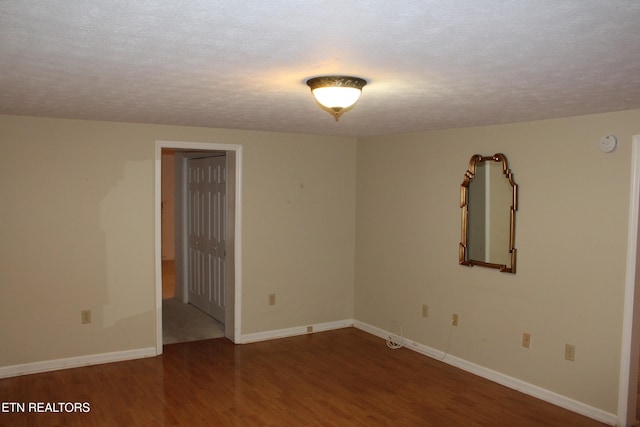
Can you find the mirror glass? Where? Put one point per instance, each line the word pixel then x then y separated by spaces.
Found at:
pixel 488 198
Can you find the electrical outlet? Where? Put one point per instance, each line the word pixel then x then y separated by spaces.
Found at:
pixel 570 352
pixel 85 316
pixel 272 299
pixel 454 319
pixel 425 310
pixel 526 340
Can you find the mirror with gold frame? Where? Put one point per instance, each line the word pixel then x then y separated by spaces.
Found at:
pixel 489 200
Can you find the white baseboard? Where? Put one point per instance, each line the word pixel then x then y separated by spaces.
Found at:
pixel 497 377
pixel 292 332
pixel 75 362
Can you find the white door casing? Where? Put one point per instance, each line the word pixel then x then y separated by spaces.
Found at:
pixel 630 346
pixel 233 315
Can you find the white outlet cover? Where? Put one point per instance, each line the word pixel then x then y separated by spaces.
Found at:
pixel 608 143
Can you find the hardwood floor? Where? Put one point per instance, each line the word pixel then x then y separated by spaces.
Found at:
pixel 168 278
pixel 338 378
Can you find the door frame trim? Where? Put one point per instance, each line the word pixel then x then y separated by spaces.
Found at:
pixel 630 345
pixel 236 334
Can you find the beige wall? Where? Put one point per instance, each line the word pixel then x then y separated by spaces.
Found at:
pixel 77 232
pixel 571 236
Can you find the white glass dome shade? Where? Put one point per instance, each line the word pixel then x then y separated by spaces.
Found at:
pixel 336 94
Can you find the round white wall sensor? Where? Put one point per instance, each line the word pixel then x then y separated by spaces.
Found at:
pixel 608 143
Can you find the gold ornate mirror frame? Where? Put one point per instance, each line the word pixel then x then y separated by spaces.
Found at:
pixel 464 253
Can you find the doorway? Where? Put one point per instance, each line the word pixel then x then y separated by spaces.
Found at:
pixel 232 290
pixel 199 313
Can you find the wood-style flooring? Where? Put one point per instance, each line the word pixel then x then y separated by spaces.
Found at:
pixel 337 378
pixel 168 278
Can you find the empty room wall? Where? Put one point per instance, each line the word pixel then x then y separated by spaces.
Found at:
pixel 77 233
pixel 571 237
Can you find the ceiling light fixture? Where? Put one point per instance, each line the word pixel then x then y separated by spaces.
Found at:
pixel 336 94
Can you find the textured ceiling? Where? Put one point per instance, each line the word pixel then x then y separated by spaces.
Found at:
pixel 243 64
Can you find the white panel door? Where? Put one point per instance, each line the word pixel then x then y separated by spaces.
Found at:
pixel 206 209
